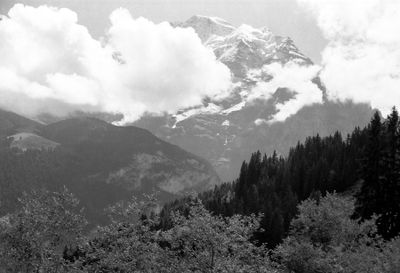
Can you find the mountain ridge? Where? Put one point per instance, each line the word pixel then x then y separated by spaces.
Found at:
pixel 99 162
pixel 227 130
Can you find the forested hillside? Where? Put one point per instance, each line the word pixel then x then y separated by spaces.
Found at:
pixel 99 162
pixel 274 185
pixel 277 217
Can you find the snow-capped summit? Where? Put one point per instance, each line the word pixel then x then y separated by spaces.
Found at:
pixel 251 48
pixel 217 128
pixel 225 131
pixel 206 26
pixel 245 47
pixel 249 33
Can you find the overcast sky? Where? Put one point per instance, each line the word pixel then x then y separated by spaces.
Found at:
pixel 283 17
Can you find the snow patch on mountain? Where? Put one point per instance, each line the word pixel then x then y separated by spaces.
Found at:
pixel 261 63
pixel 207 27
pixel 260 121
pixel 211 108
pixel 234 108
pixel 225 123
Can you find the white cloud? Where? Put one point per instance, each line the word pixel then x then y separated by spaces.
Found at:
pixel 50 63
pixel 297 78
pixel 362 59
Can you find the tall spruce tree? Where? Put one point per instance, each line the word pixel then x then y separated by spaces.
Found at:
pixel 381 174
pixel 388 222
pixel 369 199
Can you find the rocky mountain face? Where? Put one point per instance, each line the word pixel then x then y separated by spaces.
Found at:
pixel 244 48
pixel 99 162
pixel 226 131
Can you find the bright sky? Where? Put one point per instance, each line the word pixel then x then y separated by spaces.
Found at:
pixel 283 17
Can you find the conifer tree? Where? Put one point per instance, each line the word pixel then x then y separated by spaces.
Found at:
pixel 369 199
pixel 388 222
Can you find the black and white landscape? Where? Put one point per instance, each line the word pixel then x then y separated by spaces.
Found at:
pixel 137 136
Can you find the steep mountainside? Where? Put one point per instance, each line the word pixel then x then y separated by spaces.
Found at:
pixel 11 123
pixel 101 163
pixel 226 131
pixel 132 157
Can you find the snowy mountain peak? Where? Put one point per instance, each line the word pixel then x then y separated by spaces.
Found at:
pixel 244 48
pixel 206 26
pixel 244 35
pixel 247 48
pixel 251 32
pixel 210 19
pixel 266 69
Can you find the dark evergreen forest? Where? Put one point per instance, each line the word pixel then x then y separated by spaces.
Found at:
pixel 365 163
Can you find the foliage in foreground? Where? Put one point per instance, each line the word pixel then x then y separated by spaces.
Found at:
pixel 33 238
pixel 324 238
pixel 46 236
pixel 200 242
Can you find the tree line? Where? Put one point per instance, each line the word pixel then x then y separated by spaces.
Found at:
pixel 47 235
pixel 278 216
pixel 274 185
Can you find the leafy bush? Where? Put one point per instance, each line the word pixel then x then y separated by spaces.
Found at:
pixel 324 238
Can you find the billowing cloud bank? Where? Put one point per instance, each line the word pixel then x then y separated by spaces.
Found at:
pixel 295 77
pixel 50 63
pixel 362 59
